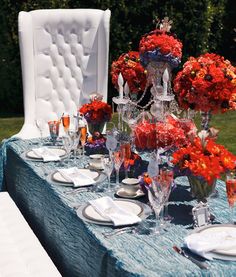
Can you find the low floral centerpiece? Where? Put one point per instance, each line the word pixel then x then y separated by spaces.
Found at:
pixel 96 113
pixel 96 144
pixel 132 71
pixel 203 161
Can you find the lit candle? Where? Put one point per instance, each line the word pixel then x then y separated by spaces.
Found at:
pixel 120 84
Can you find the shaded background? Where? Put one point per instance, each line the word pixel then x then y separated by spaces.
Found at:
pixel 203 26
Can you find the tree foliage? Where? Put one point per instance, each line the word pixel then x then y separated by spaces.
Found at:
pixel 203 26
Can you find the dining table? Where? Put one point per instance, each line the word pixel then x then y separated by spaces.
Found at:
pixel 78 247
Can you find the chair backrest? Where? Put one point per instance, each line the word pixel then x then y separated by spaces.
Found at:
pixel 64 59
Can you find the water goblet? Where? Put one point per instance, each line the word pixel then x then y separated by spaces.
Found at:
pixel 231 192
pixel 107 164
pixel 54 130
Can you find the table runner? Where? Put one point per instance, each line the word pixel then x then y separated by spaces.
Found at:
pixel 79 248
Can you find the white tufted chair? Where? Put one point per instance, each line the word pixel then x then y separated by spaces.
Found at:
pixel 64 59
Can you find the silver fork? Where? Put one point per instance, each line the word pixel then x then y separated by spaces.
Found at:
pixel 120 231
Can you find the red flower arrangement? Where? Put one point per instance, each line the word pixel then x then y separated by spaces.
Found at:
pixel 204 158
pixel 173 132
pixel 96 112
pixel 132 71
pixel 159 45
pixel 206 83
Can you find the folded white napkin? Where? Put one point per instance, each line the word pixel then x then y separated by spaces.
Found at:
pixel 202 243
pixel 46 154
pixel 75 176
pixel 108 209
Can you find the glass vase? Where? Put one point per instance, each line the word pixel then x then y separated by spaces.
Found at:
pixel 96 127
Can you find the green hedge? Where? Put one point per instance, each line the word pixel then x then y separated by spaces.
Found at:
pixel 204 25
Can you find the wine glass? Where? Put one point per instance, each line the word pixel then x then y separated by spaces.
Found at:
pixel 118 160
pixel 231 192
pixel 54 130
pixel 107 164
pixel 65 122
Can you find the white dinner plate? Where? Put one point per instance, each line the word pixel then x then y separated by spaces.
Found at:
pixel 133 207
pixel 212 230
pixel 122 193
pixel 57 151
pixel 56 176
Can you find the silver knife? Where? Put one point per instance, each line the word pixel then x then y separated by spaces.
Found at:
pixel 200 264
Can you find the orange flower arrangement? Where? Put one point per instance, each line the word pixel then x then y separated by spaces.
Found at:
pixel 203 157
pixel 96 112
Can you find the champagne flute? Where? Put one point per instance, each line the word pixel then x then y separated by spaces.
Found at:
pixel 83 136
pixel 118 160
pixel 156 198
pixel 66 122
pixel 75 138
pixel 67 143
pixel 108 167
pixel 231 192
pixel 126 153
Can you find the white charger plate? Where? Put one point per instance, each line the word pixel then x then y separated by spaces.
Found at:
pixel 57 151
pixel 212 230
pixel 56 176
pixel 133 207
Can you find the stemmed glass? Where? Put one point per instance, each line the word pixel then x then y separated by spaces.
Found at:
pixel 118 160
pixel 166 178
pixel 75 138
pixel 231 192
pixel 83 137
pixel 54 130
pixel 107 164
pixel 67 143
pixel 126 153
pixel 156 198
pixel 66 122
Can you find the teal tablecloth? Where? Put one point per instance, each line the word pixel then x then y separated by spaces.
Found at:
pixel 78 248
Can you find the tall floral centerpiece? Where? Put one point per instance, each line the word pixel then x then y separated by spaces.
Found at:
pixel 204 161
pixel 206 84
pixel 96 113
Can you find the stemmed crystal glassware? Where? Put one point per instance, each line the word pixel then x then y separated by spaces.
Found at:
pixel 67 143
pixel 54 130
pixel 231 192
pixel 125 149
pixel 156 198
pixel 75 138
pixel 65 122
pixel 166 178
pixel 108 165
pixel 118 160
pixel 83 136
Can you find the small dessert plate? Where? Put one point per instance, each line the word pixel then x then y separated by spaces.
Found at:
pixel 122 193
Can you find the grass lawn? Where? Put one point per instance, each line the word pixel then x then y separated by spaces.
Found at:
pixel 225 122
